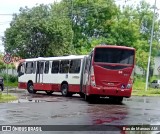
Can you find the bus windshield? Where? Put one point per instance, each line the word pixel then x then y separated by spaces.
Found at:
pixel 114 55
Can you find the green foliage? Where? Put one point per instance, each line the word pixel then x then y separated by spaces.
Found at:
pixel 75 27
pixel 3 65
pixel 92 19
pixel 37 32
pixel 11 78
pixel 139 83
pixel 7 98
pixel 139 87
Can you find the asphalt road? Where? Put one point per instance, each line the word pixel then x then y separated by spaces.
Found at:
pixel 42 109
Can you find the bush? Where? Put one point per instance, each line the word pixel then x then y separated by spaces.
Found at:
pixel 11 78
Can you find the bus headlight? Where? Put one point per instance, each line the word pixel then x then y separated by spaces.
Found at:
pixel 129 86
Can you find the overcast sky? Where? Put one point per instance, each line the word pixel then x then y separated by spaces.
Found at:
pixel 8 7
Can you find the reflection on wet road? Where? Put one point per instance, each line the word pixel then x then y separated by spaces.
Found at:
pixel 41 109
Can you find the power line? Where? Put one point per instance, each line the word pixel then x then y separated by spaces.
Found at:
pixel 6 14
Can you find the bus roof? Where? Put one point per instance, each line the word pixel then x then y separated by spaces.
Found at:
pixel 56 58
pixel 114 46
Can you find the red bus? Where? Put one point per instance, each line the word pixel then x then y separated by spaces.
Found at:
pixel 108 72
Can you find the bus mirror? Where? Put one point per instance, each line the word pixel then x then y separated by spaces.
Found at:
pixel 18 69
pixel 20 74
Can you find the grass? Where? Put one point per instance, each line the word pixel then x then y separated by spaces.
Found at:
pixel 149 92
pixel 6 98
pixel 10 84
pixel 139 88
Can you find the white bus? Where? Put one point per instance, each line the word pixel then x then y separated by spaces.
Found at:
pixel 51 74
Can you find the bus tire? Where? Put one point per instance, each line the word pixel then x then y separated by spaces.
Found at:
pixel 49 92
pixel 70 94
pixel 64 90
pixel 119 99
pixel 88 98
pixel 30 88
pixel 82 95
pixel 92 98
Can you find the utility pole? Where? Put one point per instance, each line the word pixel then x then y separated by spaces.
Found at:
pixel 72 45
pixel 150 47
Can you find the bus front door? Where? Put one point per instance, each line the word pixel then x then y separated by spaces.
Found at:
pixel 39 75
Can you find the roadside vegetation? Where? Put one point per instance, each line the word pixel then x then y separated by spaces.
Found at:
pixel 139 87
pixel 77 26
pixel 12 80
pixel 6 98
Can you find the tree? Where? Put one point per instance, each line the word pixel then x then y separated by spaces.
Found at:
pixel 76 26
pixel 91 19
pixel 37 32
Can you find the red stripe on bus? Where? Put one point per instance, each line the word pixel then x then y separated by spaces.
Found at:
pixel 49 87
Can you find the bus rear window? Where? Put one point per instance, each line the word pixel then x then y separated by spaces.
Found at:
pixel 114 55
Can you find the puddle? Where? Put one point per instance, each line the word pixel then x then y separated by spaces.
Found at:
pixel 26 101
pixel 143 100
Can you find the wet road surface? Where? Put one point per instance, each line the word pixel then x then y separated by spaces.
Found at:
pixel 42 109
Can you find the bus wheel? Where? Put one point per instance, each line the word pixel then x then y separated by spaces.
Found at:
pixel 82 95
pixel 88 98
pixel 69 94
pixel 91 98
pixel 49 92
pixel 64 90
pixel 119 99
pixel 30 88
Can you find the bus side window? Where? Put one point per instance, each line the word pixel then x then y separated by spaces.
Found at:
pixel 22 68
pixel 29 68
pixel 75 66
pixel 90 62
pixel 40 66
pixel 46 69
pixel 64 66
pixel 86 65
pixel 55 67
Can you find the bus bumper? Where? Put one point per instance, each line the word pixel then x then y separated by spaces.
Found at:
pixel 108 91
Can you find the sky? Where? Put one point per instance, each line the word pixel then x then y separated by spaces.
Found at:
pixel 8 7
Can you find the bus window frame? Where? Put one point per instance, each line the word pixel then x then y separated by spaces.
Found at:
pixel 31 68
pixel 68 65
pixel 113 63
pixel 19 70
pixel 79 67
pixel 58 67
pixel 46 71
